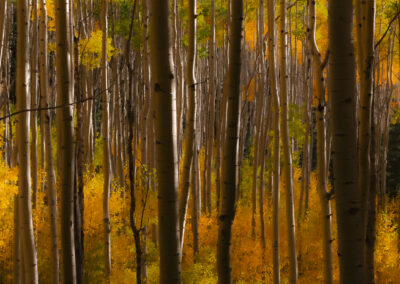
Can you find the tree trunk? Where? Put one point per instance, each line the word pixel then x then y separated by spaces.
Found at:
pixel 276 162
pixel 190 119
pixel 318 84
pixel 288 172
pixel 24 187
pixel 65 140
pixel 46 132
pixel 132 169
pixel 371 225
pixel 211 109
pixel 34 101
pixel 342 91
pixel 3 25
pixel 365 15
pixel 106 145
pixel 230 156
pixel 166 151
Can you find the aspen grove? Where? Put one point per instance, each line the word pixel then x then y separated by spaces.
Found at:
pixel 199 141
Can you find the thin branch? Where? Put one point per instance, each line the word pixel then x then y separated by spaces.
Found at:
pixel 54 107
pixel 388 28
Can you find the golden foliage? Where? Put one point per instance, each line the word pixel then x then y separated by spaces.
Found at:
pixel 247 266
pixel 90 49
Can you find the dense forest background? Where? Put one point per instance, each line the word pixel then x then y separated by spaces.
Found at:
pixel 199 141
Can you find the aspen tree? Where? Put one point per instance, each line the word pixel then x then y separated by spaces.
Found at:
pixel 80 94
pixel 190 119
pixel 3 25
pixel 87 75
pixel 9 131
pixel 118 115
pixel 140 260
pixel 196 182
pixel 166 151
pixel 132 172
pixel 178 71
pixel 258 120
pixel 365 16
pixel 106 145
pixel 288 171
pixel 318 78
pixel 342 91
pixel 211 93
pixel 272 82
pixel 118 122
pixel 34 101
pixel 144 129
pixel 262 130
pixel 28 249
pixel 48 155
pixel 65 140
pixel 230 153
pixel 7 121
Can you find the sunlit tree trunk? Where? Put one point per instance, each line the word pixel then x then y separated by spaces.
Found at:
pixel 211 105
pixel 342 91
pixel 365 16
pixel 24 186
pixel 34 101
pixel 166 161
pixel 144 129
pixel 319 87
pixel 8 123
pixel 276 148
pixel 178 66
pixel 48 155
pixel 288 171
pixel 106 144
pixel 190 119
pixel 3 37
pixel 229 169
pixel 118 121
pixel 65 141
pixel 89 130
